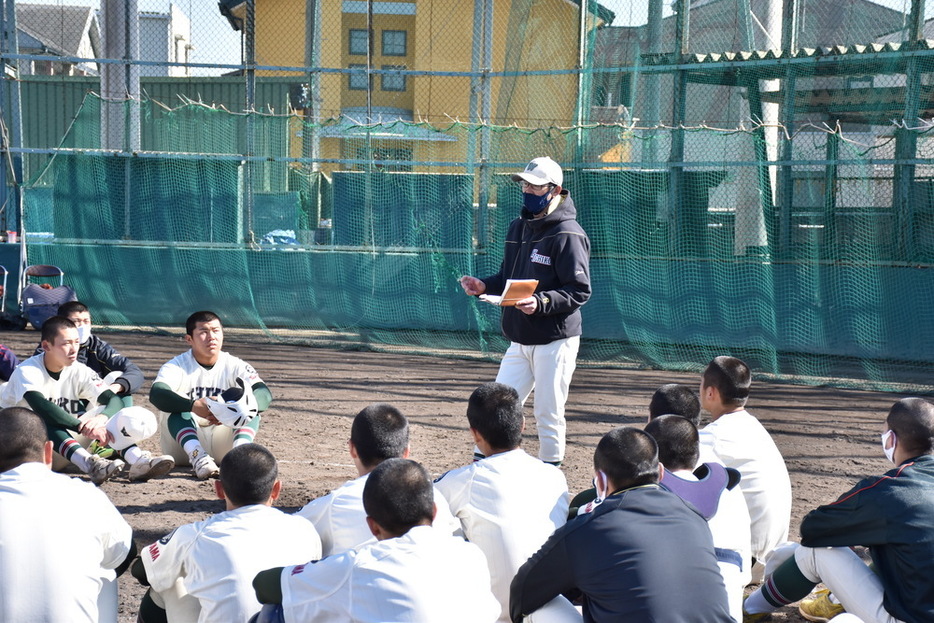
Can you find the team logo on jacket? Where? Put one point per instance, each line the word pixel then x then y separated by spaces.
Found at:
pixel 538 258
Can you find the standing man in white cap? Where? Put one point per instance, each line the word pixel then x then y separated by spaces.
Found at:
pixel 545 243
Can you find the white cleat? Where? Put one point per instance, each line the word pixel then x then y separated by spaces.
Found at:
pixel 101 469
pixel 204 467
pixel 150 466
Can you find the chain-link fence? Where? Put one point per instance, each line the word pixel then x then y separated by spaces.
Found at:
pixel 755 175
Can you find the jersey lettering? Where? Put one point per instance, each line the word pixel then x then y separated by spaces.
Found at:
pixel 154 551
pixel 70 406
pixel 538 258
pixel 297 569
pixel 204 392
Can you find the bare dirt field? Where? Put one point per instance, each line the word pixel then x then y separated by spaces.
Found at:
pixel 829 437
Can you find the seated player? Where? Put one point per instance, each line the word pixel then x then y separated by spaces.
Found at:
pixel 203 571
pixel 641 555
pixel 59 390
pixel 378 432
pixel 412 572
pixel 62 541
pixel 498 509
pixel 8 363
pixel 713 490
pixel 892 515
pixel 210 400
pixel 741 442
pixel 125 376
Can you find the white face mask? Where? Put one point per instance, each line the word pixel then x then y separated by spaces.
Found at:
pixel 889 452
pixel 601 485
pixel 84 332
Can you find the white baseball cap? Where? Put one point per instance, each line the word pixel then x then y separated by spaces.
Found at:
pixel 131 425
pixel 541 171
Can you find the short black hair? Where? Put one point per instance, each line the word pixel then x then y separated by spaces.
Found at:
pixel 495 411
pixel 912 421
pixel 677 439
pixel 398 495
pixel 24 436
pixel 248 473
pixel 53 326
pixel 72 307
pixel 200 316
pixel 379 432
pixel 731 377
pixel 628 456
pixel 677 399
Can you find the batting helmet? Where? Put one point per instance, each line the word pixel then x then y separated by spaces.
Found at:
pixel 236 407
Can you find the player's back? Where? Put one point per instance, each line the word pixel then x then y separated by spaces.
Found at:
pixel 53 564
pixel 508 505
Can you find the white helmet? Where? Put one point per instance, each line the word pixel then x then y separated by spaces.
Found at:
pixel 131 425
pixel 236 407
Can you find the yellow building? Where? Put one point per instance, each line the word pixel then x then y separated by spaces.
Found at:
pixel 430 36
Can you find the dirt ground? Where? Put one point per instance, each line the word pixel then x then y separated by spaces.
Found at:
pixel 829 437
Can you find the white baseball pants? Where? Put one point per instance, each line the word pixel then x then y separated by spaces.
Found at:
pixel 546 368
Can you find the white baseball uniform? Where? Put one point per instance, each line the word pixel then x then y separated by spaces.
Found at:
pixel 731 531
pixel 76 383
pixel 741 442
pixel 508 505
pixel 421 576
pixel 216 559
pixel 340 519
pixel 185 376
pixel 54 563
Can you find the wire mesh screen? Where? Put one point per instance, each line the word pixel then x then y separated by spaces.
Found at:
pixel 756 176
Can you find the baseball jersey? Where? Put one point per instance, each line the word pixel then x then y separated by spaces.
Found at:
pixel 53 566
pixel 185 376
pixel 76 383
pixel 421 576
pixel 218 558
pixel 340 519
pixel 741 442
pixel 508 505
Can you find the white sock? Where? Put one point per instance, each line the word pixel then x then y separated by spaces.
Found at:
pixel 193 446
pixel 132 455
pixel 757 604
pixel 81 458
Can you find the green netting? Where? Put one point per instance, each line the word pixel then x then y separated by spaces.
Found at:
pixel 757 182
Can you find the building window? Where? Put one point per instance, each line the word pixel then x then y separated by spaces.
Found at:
pixel 358 81
pixel 359 41
pixel 394 43
pixel 392 82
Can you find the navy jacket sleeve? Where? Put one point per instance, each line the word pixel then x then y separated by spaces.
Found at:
pixel 572 267
pixel 854 519
pixel 543 577
pixel 109 360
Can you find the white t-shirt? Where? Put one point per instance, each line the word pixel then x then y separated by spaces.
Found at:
pixel 76 383
pixel 741 442
pixel 340 519
pixel 508 505
pixel 53 560
pixel 218 558
pixel 185 376
pixel 423 576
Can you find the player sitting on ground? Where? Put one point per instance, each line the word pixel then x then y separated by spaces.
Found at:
pixel 378 432
pixel 59 390
pixel 8 363
pixel 100 356
pixel 741 442
pixel 675 399
pixel 210 400
pixel 498 509
pixel 203 571
pixel 641 555
pixel 412 572
pixel 56 566
pixel 892 515
pixel 712 489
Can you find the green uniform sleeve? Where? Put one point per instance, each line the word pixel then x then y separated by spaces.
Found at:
pixel 111 400
pixel 163 398
pixel 263 396
pixel 50 412
pixel 267 586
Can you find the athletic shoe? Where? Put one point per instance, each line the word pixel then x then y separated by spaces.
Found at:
pixel 101 469
pixel 150 466
pixel 755 618
pixel 204 467
pixel 820 608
